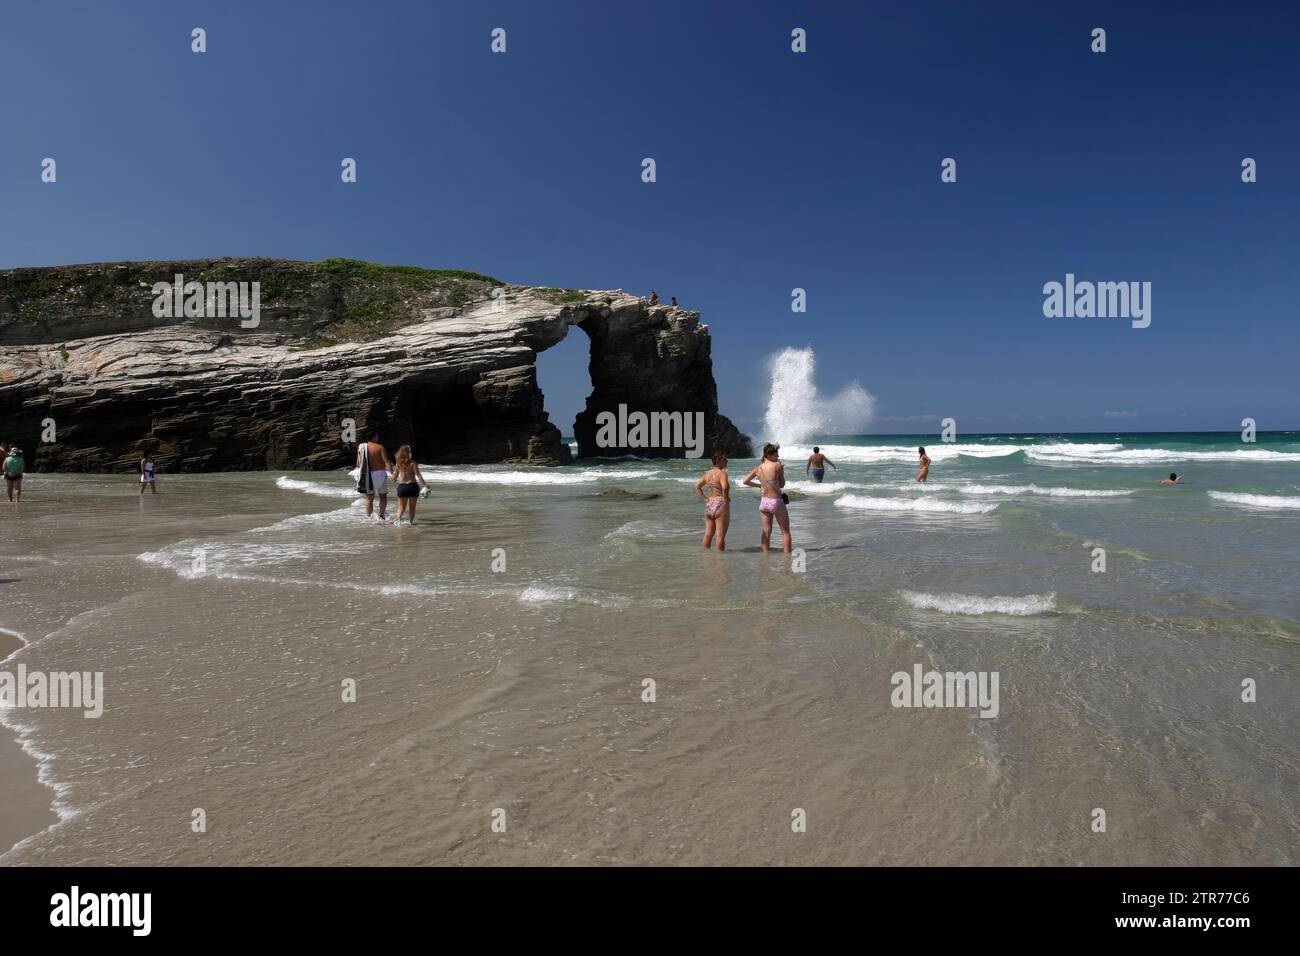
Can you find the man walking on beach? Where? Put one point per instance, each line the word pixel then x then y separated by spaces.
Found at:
pixel 372 477
pixel 817 463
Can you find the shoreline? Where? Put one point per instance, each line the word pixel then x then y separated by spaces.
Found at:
pixel 26 804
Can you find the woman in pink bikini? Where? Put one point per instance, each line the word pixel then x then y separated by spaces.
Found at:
pixel 771 479
pixel 717 503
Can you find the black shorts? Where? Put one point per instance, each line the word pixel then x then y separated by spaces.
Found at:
pixel 17 477
pixel 410 489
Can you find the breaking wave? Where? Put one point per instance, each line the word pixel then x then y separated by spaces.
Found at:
pixel 1256 501
pixel 926 505
pixel 972 604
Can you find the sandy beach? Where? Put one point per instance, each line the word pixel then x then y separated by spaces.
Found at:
pixel 26 801
pixel 227 612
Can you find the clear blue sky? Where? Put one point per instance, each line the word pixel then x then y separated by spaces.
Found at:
pixel 775 170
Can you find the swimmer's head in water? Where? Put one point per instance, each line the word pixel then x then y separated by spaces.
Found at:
pixel 719 459
pixel 770 450
pixel 1173 476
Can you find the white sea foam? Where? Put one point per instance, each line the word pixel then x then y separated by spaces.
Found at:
pixel 924 505
pixel 1256 501
pixel 221 558
pixel 13 719
pixel 537 594
pixel 316 487
pixel 1095 453
pixel 979 489
pixel 1036 490
pixel 825 488
pixel 905 454
pixel 795 408
pixel 559 594
pixel 972 604
pixel 637 530
pixel 349 515
pixel 535 476
pixel 1076 454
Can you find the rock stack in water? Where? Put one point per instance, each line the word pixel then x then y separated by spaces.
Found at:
pixel 99 363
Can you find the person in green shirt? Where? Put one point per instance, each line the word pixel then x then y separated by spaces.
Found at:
pixel 14 466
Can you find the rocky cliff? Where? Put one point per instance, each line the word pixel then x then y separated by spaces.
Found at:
pixel 444 360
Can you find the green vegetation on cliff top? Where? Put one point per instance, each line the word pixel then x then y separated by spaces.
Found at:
pixel 319 303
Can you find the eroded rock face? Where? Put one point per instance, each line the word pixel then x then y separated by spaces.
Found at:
pixel 444 361
pixel 651 359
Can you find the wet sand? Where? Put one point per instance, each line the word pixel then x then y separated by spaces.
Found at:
pixel 26 801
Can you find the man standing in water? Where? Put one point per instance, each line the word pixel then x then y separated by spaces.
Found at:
pixel 925 465
pixel 372 478
pixel 816 466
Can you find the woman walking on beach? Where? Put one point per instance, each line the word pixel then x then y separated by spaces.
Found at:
pixel 771 479
pixel 717 503
pixel 147 474
pixel 409 481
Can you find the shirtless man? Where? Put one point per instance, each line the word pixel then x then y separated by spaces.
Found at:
pixel 1173 479
pixel 373 461
pixel 816 466
pixel 925 466
pixel 771 479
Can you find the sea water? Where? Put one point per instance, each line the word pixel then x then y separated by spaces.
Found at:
pixel 576 660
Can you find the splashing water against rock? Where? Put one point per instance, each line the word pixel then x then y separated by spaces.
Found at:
pixel 797 411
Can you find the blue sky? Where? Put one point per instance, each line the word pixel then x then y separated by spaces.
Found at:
pixel 775 171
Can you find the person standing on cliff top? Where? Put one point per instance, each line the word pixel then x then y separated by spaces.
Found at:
pixel 674 302
pixel 372 477
pixel 654 297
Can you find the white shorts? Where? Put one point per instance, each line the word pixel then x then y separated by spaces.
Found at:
pixel 380 480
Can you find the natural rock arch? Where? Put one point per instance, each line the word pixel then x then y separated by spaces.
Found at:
pixel 442 360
